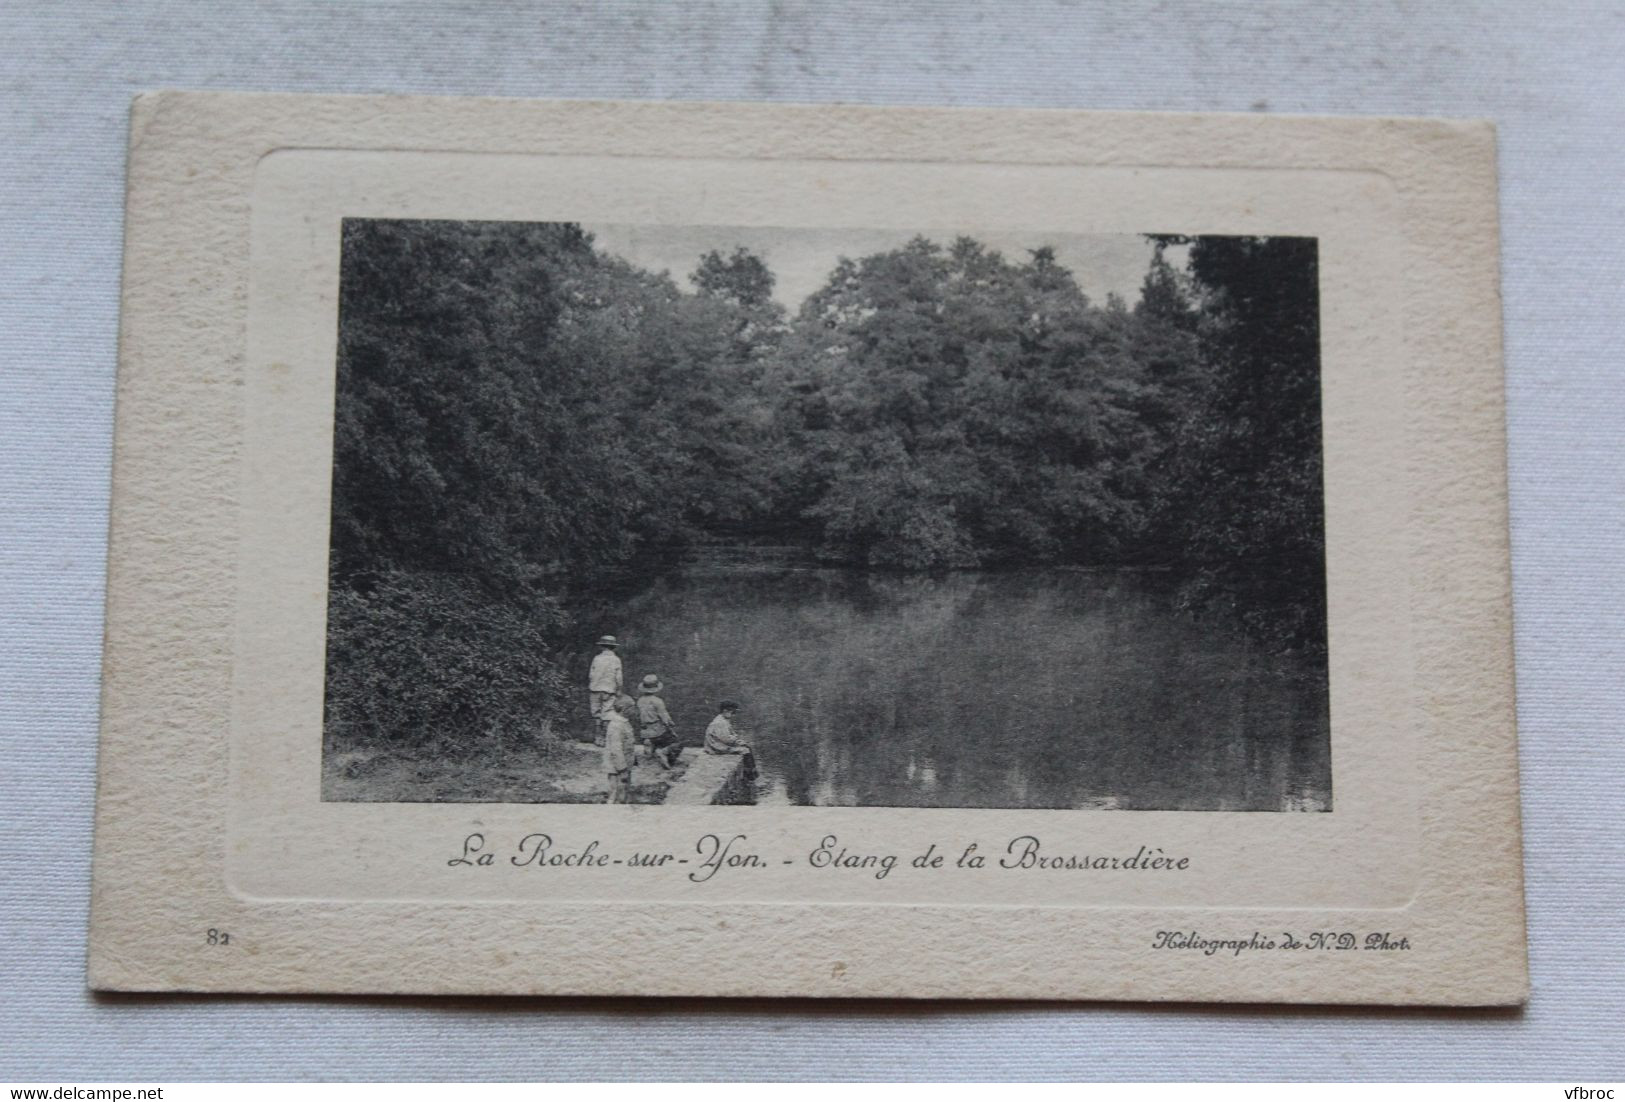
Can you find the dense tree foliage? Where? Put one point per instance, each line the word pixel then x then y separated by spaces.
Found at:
pixel 520 414
pixel 1242 505
pixel 948 408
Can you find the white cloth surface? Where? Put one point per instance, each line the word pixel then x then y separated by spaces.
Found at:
pixel 1549 74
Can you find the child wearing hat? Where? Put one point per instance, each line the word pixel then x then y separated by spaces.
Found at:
pixel 654 723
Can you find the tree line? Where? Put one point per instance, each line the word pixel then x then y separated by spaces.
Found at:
pixel 520 413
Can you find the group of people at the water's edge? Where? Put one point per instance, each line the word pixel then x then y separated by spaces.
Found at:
pixel 614 713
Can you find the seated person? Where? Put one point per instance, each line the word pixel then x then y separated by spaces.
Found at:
pixel 720 736
pixel 654 723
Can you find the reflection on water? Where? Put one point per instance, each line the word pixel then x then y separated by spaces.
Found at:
pixel 1049 689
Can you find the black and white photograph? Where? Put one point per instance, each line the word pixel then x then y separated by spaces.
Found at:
pixel 859 517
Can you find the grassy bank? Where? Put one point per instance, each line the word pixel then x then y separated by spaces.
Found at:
pixel 560 772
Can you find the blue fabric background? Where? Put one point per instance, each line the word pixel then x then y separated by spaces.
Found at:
pixel 1550 74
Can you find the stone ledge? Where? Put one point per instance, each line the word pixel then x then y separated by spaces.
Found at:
pixel 711 779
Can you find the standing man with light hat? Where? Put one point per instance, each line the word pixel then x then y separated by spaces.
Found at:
pixel 603 684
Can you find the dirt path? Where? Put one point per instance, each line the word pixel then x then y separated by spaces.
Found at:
pixel 561 772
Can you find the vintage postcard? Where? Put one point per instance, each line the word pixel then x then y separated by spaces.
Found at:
pixel 737 550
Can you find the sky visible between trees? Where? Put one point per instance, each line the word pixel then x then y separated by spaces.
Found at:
pixel 802 258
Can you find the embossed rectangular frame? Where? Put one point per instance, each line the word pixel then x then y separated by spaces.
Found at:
pixel 214 600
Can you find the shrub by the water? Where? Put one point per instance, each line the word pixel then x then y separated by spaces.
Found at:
pixel 439 662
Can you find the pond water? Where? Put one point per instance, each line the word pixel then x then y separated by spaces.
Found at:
pixel 1035 689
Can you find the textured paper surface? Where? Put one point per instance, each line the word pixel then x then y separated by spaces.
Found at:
pixel 214 597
